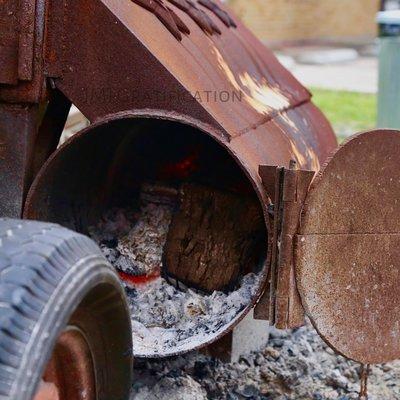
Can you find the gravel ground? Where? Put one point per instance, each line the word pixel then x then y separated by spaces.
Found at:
pixel 293 365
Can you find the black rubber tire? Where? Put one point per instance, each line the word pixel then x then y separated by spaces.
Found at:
pixel 48 275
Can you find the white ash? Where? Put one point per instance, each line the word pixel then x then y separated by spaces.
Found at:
pixel 294 365
pixel 142 244
pixel 133 241
pixel 166 320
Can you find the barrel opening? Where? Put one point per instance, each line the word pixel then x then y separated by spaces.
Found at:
pixel 175 214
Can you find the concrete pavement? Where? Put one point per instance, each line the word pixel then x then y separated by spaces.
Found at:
pixel 359 75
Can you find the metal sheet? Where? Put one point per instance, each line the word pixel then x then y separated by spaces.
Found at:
pixel 289 312
pixel 18 125
pixel 281 303
pixel 26 40
pixel 271 122
pixel 347 251
pixel 9 42
pixel 230 76
pixel 22 25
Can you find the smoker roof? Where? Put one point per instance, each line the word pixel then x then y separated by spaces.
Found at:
pixel 121 57
pixel 216 67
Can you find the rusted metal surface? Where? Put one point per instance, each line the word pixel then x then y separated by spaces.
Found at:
pixel 272 178
pixel 49 131
pixel 155 72
pixel 347 250
pixel 28 135
pixel 229 80
pixel 17 28
pixel 9 42
pixel 70 369
pixel 22 78
pixel 289 311
pixel 185 80
pixel 219 12
pixel 281 302
pixel 26 39
pixel 166 16
pixel 18 126
pixel 171 20
pixel 365 370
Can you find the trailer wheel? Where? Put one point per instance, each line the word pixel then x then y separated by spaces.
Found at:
pixel 64 323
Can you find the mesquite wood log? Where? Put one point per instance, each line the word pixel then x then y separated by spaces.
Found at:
pixel 214 238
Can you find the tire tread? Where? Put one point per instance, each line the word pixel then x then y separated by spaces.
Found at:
pixel 34 257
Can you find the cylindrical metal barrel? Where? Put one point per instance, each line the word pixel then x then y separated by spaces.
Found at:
pixel 205 111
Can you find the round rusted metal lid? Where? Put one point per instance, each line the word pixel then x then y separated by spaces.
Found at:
pixel 348 249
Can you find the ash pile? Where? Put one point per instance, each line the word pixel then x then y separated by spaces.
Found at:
pixel 293 365
pixel 186 261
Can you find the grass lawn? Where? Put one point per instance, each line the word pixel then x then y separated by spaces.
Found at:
pixel 349 112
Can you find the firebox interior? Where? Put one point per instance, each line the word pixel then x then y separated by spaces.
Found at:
pixel 107 167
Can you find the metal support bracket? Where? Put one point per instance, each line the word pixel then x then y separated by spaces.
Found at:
pixel 17 40
pixel 280 303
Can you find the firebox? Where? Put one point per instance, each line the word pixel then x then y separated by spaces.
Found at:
pixel 175 214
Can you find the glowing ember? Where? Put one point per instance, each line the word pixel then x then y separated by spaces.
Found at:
pixel 182 169
pixel 135 281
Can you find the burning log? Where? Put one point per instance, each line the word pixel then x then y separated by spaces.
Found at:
pixel 214 238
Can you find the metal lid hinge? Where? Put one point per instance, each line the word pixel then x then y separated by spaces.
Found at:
pixel 288 188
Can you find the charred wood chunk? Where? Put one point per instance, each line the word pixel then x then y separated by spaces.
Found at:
pixel 214 238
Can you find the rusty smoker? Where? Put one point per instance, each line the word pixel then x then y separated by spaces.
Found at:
pixel 316 224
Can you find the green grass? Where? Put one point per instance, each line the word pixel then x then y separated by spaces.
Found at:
pixel 348 112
